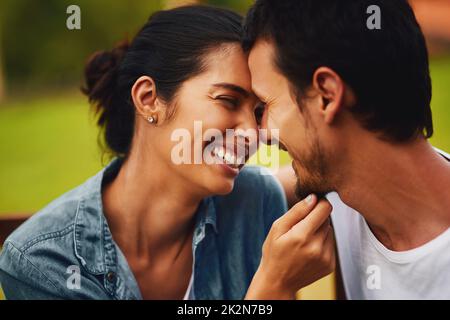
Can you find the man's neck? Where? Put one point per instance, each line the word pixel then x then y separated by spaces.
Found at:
pixel 401 190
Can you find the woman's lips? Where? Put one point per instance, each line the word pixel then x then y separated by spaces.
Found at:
pixel 232 172
pixel 228 157
pixel 231 153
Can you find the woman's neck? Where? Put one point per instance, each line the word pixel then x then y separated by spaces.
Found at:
pixel 150 210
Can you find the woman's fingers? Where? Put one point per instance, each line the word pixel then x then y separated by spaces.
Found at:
pixel 329 254
pixel 312 222
pixel 318 216
pixel 323 232
pixel 297 213
pixel 300 247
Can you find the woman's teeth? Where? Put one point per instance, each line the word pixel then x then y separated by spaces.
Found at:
pixel 228 158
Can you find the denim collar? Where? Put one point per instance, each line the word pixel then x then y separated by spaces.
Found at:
pixel 94 245
pixel 93 239
pixel 206 214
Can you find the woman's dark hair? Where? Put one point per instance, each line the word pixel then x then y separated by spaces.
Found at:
pixel 170 48
pixel 388 68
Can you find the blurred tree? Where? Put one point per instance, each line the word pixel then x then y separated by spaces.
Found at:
pixel 2 77
pixel 39 50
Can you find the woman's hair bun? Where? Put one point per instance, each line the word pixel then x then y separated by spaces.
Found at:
pixel 100 74
pixel 101 87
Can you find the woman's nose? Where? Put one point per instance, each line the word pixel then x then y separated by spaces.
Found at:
pixel 263 119
pixel 266 134
pixel 247 126
pixel 247 121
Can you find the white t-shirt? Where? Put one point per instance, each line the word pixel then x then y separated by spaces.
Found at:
pixel 371 271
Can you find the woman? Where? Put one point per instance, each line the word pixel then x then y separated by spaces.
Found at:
pixel 146 227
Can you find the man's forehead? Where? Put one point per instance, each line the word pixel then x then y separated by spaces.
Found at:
pixel 263 50
pixel 261 63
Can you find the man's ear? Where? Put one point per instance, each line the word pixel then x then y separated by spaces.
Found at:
pixel 331 89
pixel 145 98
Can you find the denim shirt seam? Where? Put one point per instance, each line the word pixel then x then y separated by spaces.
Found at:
pixel 109 258
pixel 95 270
pixel 44 237
pixel 111 264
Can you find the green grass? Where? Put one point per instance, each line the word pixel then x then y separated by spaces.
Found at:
pixel 49 145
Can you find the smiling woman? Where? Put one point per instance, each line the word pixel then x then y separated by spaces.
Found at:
pixel 184 65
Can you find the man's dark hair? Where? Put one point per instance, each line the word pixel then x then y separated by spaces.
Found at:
pixel 387 68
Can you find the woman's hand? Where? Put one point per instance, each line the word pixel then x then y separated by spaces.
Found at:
pixel 298 250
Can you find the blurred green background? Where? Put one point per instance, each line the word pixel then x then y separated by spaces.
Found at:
pixel 48 138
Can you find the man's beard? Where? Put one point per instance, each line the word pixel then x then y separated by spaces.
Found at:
pixel 312 176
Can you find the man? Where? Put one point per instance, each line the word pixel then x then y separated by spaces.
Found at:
pixel 352 104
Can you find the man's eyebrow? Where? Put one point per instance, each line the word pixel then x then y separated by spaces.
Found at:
pixel 234 88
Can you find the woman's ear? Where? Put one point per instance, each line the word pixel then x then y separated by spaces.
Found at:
pixel 145 98
pixel 331 89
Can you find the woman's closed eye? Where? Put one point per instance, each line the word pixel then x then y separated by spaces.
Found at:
pixel 229 101
pixel 259 112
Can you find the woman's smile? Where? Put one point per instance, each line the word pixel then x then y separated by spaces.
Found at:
pixel 229 156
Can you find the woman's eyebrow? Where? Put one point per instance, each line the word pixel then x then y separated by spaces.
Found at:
pixel 234 88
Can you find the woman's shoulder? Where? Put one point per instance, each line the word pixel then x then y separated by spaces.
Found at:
pixel 55 219
pixel 259 183
pixel 256 179
pixel 37 255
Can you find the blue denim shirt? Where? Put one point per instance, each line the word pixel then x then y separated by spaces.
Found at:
pixel 66 251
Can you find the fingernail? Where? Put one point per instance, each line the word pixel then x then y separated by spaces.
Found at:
pixel 309 199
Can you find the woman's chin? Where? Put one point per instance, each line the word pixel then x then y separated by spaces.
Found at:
pixel 224 188
pixel 221 186
pixel 221 179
